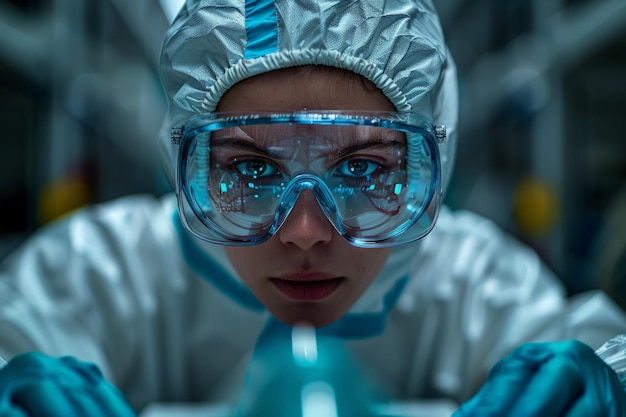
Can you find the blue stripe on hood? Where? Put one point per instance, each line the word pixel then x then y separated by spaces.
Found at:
pixel 261 28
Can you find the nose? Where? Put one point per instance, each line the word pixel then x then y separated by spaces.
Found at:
pixel 306 225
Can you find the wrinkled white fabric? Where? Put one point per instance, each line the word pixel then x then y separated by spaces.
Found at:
pixel 110 285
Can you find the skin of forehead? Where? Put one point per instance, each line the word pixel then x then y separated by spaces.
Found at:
pixel 309 87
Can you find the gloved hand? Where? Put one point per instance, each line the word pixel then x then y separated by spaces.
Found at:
pixel 560 379
pixel 33 384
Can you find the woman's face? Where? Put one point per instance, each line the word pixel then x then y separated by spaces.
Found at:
pixel 306 272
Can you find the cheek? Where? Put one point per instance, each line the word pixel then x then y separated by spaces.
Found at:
pixel 370 261
pixel 254 262
pixel 246 260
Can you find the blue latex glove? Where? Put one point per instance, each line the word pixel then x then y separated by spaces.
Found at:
pixel 561 379
pixel 33 384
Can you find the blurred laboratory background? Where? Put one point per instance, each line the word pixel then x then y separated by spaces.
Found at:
pixel 542 142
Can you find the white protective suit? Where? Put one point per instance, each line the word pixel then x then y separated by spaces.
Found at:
pixel 165 316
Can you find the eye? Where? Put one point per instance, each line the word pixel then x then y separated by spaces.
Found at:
pixel 356 168
pixel 256 168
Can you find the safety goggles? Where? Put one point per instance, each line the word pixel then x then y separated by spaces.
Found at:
pixel 376 176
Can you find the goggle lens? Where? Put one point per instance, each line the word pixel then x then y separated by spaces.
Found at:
pixel 374 178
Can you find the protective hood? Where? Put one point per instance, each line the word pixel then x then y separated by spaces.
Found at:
pixel 396 44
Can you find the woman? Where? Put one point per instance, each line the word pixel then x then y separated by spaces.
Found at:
pixel 310 144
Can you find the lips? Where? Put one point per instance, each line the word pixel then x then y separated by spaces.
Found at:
pixel 307 286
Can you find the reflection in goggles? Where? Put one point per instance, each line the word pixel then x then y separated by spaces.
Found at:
pixel 372 182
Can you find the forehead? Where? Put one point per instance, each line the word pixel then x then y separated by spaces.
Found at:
pixel 305 88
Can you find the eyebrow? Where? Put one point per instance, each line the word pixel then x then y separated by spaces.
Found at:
pixel 348 150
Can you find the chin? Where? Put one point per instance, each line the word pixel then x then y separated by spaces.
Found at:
pixel 312 315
